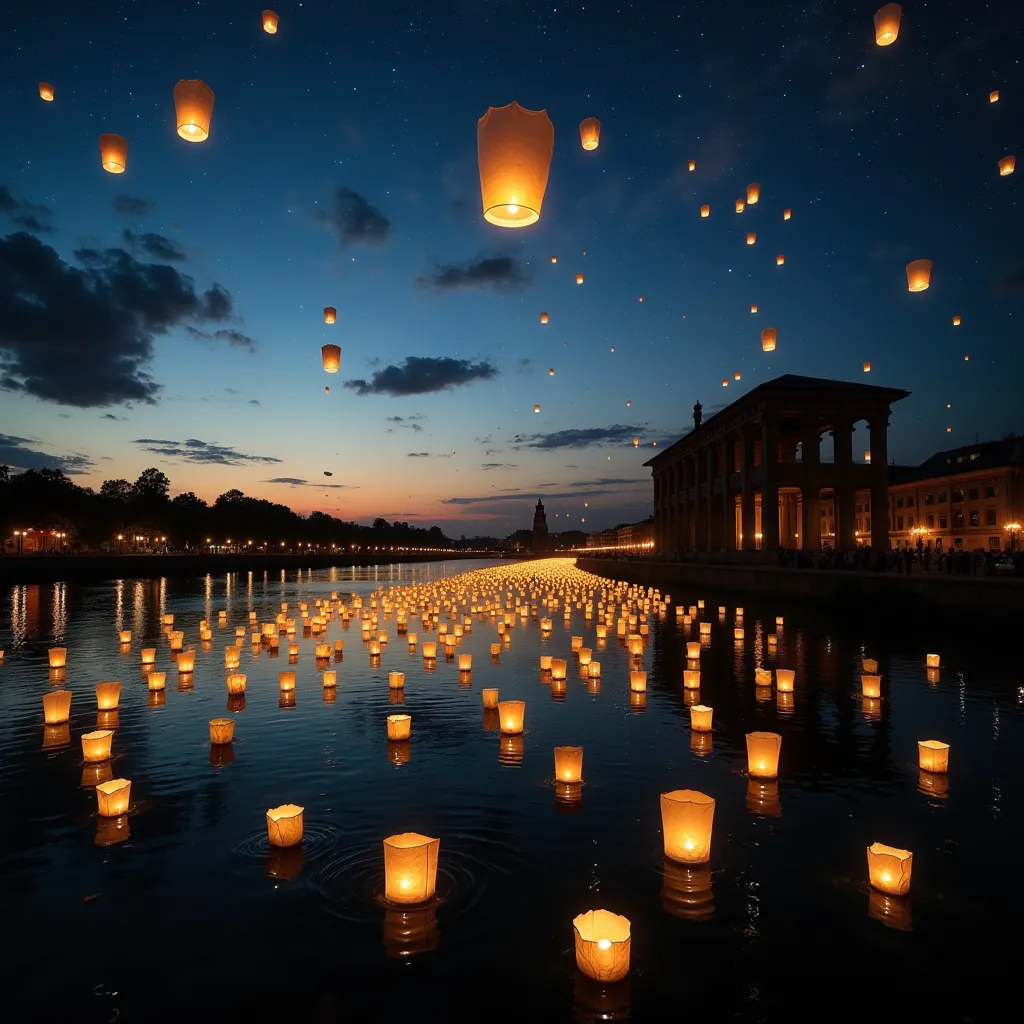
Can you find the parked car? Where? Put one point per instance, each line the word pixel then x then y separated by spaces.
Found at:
pixel 1005 566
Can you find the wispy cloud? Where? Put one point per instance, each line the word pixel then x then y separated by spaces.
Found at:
pixel 206 452
pixel 21 453
pixel 499 273
pixel 586 437
pixel 298 481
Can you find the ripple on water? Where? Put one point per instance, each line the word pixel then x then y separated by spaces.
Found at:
pixel 317 841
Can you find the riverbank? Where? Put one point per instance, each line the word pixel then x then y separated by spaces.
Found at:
pixel 877 593
pixel 94 568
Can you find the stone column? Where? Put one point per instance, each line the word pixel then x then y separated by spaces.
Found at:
pixel 846 489
pixel 709 461
pixel 810 528
pixel 728 503
pixel 748 513
pixel 769 481
pixel 877 431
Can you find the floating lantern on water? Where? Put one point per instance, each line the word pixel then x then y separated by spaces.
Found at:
pixel 933 756
pixel 559 668
pixel 693 650
pixel 586 654
pixel 700 717
pixel 125 637
pixel 495 650
pixel 96 745
pixel 284 825
pixel 430 650
pixel 590 133
pixel 889 869
pixel 871 685
pixel 686 820
pixel 705 628
pixel 490 697
pixel 58 657
pixel 465 662
pixel 396 680
pixel 156 680
pixel 784 679
pixel 236 683
pixel 594 670
pixel 231 657
pixel 602 945
pixel 762 677
pixel 112 797
pixel 286 681
pixel 56 707
pixel 113 153
pixel 638 681
pixel 186 662
pixel 545 662
pixel 108 696
pixel 514 148
pixel 222 730
pixel 270 22
pixel 568 764
pixel 887 24
pixel 763 754
pixel 919 275
pixel 399 727
pixel 322 652
pixel 511 714
pixel 410 867
pixel 737 633
pixel 412 639
pixel 193 109
pixel 779 621
pixel 329 679
pixel 869 665
pixel 932 660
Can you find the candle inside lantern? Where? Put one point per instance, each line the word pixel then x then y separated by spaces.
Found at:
pixel 511 714
pixel 569 764
pixel 784 678
pixel 763 754
pixel 490 697
pixel 693 650
pixel 112 797
pixel 410 867
pixel 889 869
pixel 222 730
pixel 96 745
pixel 933 756
pixel 284 825
pixel 465 662
pixel 686 820
pixel 700 717
pixel 602 945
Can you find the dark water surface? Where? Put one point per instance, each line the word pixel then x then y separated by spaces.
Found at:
pixel 193 914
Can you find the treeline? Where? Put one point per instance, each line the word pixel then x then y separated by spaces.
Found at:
pixel 47 499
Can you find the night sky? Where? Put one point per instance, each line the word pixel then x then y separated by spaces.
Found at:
pixel 173 315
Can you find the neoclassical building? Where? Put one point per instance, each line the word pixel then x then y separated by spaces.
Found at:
pixel 751 476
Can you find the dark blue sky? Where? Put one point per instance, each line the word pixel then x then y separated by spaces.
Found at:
pixel 341 170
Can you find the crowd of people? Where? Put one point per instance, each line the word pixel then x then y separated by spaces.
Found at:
pixel 923 558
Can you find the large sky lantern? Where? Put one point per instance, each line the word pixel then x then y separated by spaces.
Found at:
pixel 331 355
pixel 590 133
pixel 993 96
pixel 867 365
pixel 270 20
pixel 753 193
pixel 113 153
pixel 579 279
pixel 330 314
pixel 543 318
pixel 889 869
pixel 56 707
pixel 956 320
pixel 686 819
pixel 602 942
pixel 780 260
pixel 285 824
pixel 887 24
pixel 514 148
pixel 410 868
pixel 193 109
pixel 753 307
pixel 1006 165
pixel 46 92
pixel 751 237
pixel 705 210
pixel 919 275
pixel 769 336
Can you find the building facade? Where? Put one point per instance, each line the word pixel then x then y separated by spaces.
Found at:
pixel 635 538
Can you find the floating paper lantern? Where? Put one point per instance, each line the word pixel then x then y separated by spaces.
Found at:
pixel 286 681
pixel 125 636
pixel 410 867
pixel 514 148
pixel 737 633
pixel 773 639
pixel 700 717
pixel 933 756
pixel 108 696
pixel 396 680
pixel 686 820
pixel 779 621
pixel 871 685
pixel 693 650
pixel 46 92
pixel 236 683
pixel 786 214
pixel 705 210
pixel 545 662
pixel 932 660
pixel 590 133
pixel 284 825
pixel 490 697
pixel 112 797
pixel 602 945
pixel 322 652
pixel 231 657
pixel 193 109
pixel 56 707
pixel 568 764
pixel 331 355
pixel 465 662
pixel 705 629
pixel 763 754
pixel 222 730
pixel 58 657
pixel 511 714
pixel 96 745
pixel 762 677
pixel 113 153
pixel 919 275
pixel 740 206
pixel 889 869
pixel 784 679
pixel 579 279
pixel 495 650
pixel 430 650
pixel 559 668
pixel 638 681
pixel 270 22
pixel 769 336
pixel 186 662
pixel 329 679
pixel 1006 165
pixel 156 681
pixel 887 24
pixel 594 670
pixel 399 727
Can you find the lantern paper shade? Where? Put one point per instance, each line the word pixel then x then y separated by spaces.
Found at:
pixel 284 825
pixel 638 681
pixel 784 679
pixel 1006 165
pixel 56 707
pixel 46 92
pixel 222 730
pixel 700 718
pixel 993 96
pixel 751 237
pixel 186 662
pixel 193 109
pixel 96 745
pixel 58 657
pixel 410 867
pixel 887 24
pixel 490 697
pixel 396 680
pixel 753 193
pixel 113 153
pixel 705 210
pixel 125 636
pixel 112 797
pixel 763 754
pixel 933 755
pixel 511 714
pixel 932 660
pixel 429 650
pixel 579 279
pixel 568 764
pixel 236 683
pixel 602 945
pixel 691 165
pixel 399 727
pixel 919 275
pixel 590 133
pixel 693 650
pixel 465 662
pixel 270 22
pixel 108 696
pixel 956 321
pixel 768 338
pixel 286 681
pixel 331 355
pixel 871 685
pixel 156 680
pixel 786 214
pixel 740 206
pixel 686 820
pixel 514 148
pixel 889 869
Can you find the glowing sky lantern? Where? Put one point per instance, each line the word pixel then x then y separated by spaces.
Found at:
pixel 46 92
pixel 193 109
pixel 740 206
pixel 705 210
pixel 332 358
pixel 786 214
pixel 887 24
pixel 551 372
pixel 536 408
pixel 330 314
pixel 636 442
pixel 753 193
pixel 629 402
pixel 867 366
pixel 753 307
pixel 590 133
pixel 514 147
pixel 554 259
pixel 768 338
pixel 692 165
pixel 993 96
pixel 579 279
pixel 751 237
pixel 725 382
pixel 270 22
pixel 956 320
pixel 737 375
pixel 780 260
pixel 113 153
pixel 919 275
pixel 1006 166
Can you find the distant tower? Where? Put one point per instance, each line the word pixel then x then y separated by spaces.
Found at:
pixel 540 527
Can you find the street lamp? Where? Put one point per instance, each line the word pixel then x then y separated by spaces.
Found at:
pixel 1013 529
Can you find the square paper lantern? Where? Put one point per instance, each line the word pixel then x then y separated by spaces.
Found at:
pixel 511 714
pixel 763 754
pixel 156 680
pixel 559 668
pixel 869 665
pixel 410 867
pixel 186 662
pixel 638 681
pixel 108 696
pixel 700 717
pixel 430 650
pixel 568 764
pixel 125 636
pixel 465 662
pixel 784 679
pixel 58 657
pixel 490 697
pixel 933 755
pixel 287 681
pixel 762 677
pixel 889 869
pixel 691 678
pixel 871 685
pixel 686 820
pixel 932 660
pixel 56 707
pixel 399 727
pixel 96 745
pixel 602 945
pixel 112 797
pixel 396 680
pixel 693 650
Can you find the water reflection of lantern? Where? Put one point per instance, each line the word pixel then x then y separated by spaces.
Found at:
pixel 590 133
pixel 701 743
pixel 399 752
pixel 284 825
pixel 58 657
pixel 763 754
pixel 784 678
pixel 113 153
pixel 889 869
pixel 125 637
pixel 96 745
pixel 110 831
pixel 933 755
pixel 887 24
pixel 511 714
pixel 510 749
pixel 602 945
pixel 236 683
pixel 686 891
pixel 193 109
pixel 408 932
pixel 270 22
pixel 157 698
pixel 705 210
pixel 514 148
pixel 56 707
pixel 410 867
pixel 700 717
pixel 568 764
pixel 222 730
pixel 287 681
pixel 156 680
pixel 691 678
pixel 112 797
pixel 932 660
pixel 773 640
pixel 919 275
pixel 399 727
pixel 763 797
pixel 396 680
pixel 892 911
pixel 686 820
pixel 56 736
pixel 933 784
